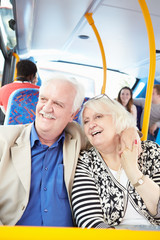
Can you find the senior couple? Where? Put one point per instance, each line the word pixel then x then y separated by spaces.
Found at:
pixel 55 173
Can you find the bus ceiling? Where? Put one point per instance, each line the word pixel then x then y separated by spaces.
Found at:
pixel 57 30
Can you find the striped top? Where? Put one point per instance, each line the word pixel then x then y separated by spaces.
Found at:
pixel 99 200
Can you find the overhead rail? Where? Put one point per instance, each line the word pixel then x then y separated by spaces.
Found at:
pixel 90 20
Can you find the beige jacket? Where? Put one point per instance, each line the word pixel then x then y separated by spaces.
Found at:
pixel 15 167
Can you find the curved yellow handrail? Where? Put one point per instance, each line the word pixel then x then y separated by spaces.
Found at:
pixel 17 60
pixel 152 68
pixel 91 22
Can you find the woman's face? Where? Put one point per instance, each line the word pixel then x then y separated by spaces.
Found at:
pixel 99 128
pixel 125 96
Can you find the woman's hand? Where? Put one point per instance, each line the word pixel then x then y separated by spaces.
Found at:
pixel 127 140
pixel 129 163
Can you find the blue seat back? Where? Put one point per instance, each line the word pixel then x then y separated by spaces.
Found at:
pixel 78 115
pixel 139 113
pixel 21 107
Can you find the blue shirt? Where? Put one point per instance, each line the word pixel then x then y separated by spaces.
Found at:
pixel 48 201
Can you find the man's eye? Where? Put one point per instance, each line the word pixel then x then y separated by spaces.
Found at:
pixel 58 104
pixel 99 116
pixel 42 99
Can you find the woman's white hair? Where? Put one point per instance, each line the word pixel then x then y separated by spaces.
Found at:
pixel 121 117
pixel 80 92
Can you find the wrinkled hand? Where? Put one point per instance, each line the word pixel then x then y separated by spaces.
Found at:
pixel 129 160
pixel 127 140
pixel 153 128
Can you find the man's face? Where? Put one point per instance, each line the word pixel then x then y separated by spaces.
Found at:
pixel 155 96
pixel 54 109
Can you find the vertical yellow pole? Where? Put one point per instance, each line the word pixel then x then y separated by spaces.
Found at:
pixel 152 68
pixel 91 22
pixel 17 60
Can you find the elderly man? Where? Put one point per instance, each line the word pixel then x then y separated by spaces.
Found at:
pixel 38 160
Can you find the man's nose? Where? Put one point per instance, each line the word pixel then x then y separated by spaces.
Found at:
pixel 48 107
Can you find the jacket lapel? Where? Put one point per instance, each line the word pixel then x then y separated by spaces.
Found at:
pixel 21 157
pixel 69 160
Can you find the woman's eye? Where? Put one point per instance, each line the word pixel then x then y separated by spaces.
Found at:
pixel 85 122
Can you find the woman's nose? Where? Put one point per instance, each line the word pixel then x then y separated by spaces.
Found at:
pixel 92 124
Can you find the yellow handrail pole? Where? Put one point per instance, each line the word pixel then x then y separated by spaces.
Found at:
pixel 17 60
pixel 152 68
pixel 91 22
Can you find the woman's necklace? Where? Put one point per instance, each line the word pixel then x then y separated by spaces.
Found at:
pixel 118 174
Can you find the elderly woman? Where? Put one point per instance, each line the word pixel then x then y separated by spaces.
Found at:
pixel 112 187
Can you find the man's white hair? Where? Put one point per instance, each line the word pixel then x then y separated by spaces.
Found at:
pixel 80 92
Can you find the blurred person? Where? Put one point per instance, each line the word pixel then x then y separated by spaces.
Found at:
pixel 125 98
pixel 26 78
pixel 154 120
pixel 114 187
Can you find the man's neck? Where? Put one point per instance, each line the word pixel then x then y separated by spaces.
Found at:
pixel 157 101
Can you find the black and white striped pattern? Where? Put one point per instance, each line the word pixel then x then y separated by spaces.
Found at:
pixel 97 198
pixel 87 207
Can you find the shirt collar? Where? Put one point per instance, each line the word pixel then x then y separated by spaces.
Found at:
pixel 34 137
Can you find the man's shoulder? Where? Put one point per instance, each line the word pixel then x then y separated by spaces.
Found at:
pixel 13 131
pixel 73 128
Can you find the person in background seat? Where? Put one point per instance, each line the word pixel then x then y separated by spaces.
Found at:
pixel 26 78
pixel 125 98
pixel 154 120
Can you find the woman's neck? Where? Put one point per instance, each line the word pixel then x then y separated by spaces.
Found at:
pixel 112 160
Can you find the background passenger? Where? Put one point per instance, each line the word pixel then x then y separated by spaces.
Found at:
pixel 26 78
pixel 125 98
pixel 154 120
pixel 114 187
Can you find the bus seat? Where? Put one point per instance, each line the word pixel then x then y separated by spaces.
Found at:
pixel 21 106
pixel 158 137
pixel 139 113
pixel 77 116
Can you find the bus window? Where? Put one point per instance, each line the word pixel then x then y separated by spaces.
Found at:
pixel 7 24
pixel 91 77
pixel 1 67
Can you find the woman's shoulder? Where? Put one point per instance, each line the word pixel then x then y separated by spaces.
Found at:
pixel 88 152
pixel 88 155
pixel 150 157
pixel 150 145
pixel 133 107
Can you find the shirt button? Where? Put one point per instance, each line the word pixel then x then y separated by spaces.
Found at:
pixel 46 168
pixel 45 189
pixel 45 210
pixel 23 207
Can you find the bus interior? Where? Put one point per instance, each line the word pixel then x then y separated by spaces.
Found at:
pixel 104 44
